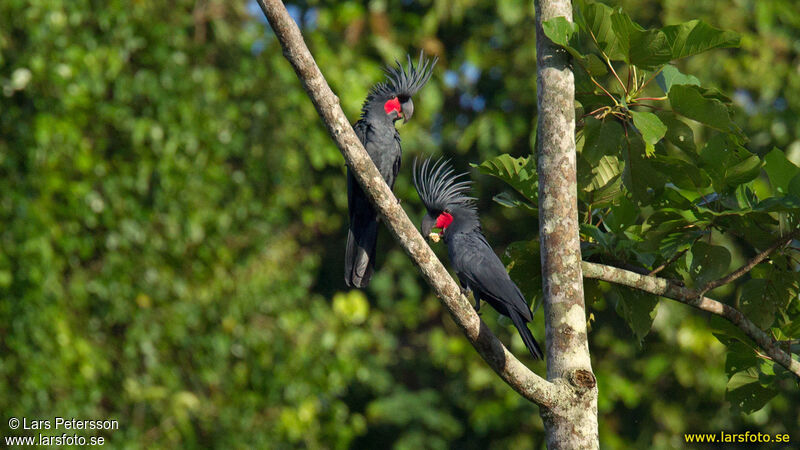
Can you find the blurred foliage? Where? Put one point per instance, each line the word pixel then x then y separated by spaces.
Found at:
pixel 172 227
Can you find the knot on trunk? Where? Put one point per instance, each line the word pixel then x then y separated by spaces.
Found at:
pixel 582 379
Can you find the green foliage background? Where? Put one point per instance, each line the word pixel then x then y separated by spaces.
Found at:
pixel 172 220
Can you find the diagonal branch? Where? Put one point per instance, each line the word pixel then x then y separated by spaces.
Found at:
pixel 665 288
pixel 750 264
pixel 511 370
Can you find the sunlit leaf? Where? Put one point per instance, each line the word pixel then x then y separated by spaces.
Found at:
pixel 779 170
pixel 702 106
pixel 670 75
pixel 651 128
pixel 695 36
pixel 519 173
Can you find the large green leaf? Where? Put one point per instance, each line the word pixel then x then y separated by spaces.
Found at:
pixel 651 128
pixel 622 215
pixel 728 163
pixel 779 170
pixel 703 106
pixel 670 75
pixel 596 19
pixel 519 173
pixel 564 33
pixel 745 392
pixel 794 185
pixel 709 262
pixel 756 304
pixel 639 176
pixel 605 186
pixel 739 357
pixel 601 138
pixel 647 49
pixel 768 298
pixel 606 171
pixel 681 173
pixel 679 133
pixel 637 308
pixel 695 36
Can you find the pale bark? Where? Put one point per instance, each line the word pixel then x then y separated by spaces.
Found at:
pixel 570 424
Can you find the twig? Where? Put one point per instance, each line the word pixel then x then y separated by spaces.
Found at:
pixel 651 98
pixel 608 62
pixel 674 258
pixel 511 370
pixel 749 265
pixel 652 77
pixel 670 261
pixel 604 90
pixel 628 81
pixel 665 288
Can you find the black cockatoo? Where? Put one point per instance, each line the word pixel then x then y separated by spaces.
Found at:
pixel 479 270
pixel 386 103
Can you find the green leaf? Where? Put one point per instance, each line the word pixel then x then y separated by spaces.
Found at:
pixel 564 33
pixel 637 308
pixel 789 203
pixel 604 240
pixel 650 127
pixel 647 49
pixel 709 262
pixel 779 170
pixel 679 133
pixel 601 138
pixel 739 357
pixel 695 36
pixel 510 200
pixel 728 333
pixel 670 75
pixel 794 185
pixel 681 173
pixel 755 302
pixel 763 299
pixel 640 177
pixel 621 215
pixel 703 106
pixel 519 173
pixel 604 188
pixel 728 163
pixel 596 19
pixel 523 261
pixel 746 393
pixel 607 170
pixel 595 66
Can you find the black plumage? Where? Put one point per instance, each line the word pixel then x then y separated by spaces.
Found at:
pixel 478 268
pixel 386 103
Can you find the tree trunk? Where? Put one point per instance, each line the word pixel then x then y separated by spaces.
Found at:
pixel 572 423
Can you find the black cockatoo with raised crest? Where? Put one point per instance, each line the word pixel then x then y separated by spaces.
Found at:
pixel 452 211
pixel 386 103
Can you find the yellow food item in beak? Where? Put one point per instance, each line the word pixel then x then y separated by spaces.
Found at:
pixel 434 237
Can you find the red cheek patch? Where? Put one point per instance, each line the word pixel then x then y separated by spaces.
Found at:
pixel 392 105
pixel 444 220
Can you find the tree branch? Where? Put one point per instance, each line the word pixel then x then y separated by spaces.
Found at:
pixel 749 265
pixel 510 369
pixel 665 288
